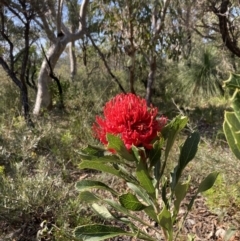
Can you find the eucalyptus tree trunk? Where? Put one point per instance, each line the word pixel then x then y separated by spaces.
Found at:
pixel 72 57
pixel 158 27
pixel 131 69
pixel 43 95
pixel 132 50
pixel 72 60
pixel 150 80
pixel 59 43
pixel 132 76
pixel 73 9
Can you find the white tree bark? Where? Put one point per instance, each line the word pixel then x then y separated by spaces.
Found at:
pixel 43 98
pixel 72 60
pixel 72 55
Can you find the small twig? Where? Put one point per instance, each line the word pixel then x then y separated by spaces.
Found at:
pixel 182 113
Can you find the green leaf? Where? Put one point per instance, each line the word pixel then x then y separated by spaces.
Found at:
pixel 103 159
pixel 89 184
pixel 136 152
pixel 144 179
pixel 96 232
pixel 155 152
pixel 88 197
pixel 114 169
pixel 189 149
pixel 157 174
pixel 155 160
pixel 125 174
pixel 102 211
pixel 180 192
pixel 236 103
pixel 94 151
pixel 233 82
pixel 164 191
pixel 151 213
pixel 165 221
pixel 130 202
pixel 208 182
pixel 99 166
pixel 171 130
pixel 140 192
pixel 114 142
pixel 232 119
pixel 231 128
pixel 188 152
pixel 129 214
pixel 117 206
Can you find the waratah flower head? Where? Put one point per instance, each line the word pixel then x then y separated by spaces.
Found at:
pixel 129 117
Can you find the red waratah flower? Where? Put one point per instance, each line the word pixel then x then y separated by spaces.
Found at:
pixel 129 117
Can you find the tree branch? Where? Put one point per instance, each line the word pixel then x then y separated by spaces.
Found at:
pixel 105 63
pixel 82 15
pixel 44 25
pixel 4 35
pixel 162 20
pixel 82 22
pixel 202 35
pixel 59 16
pixel 221 13
pixel 65 29
pixel 7 4
pixel 10 72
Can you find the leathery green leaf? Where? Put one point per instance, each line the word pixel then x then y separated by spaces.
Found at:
pixel 144 179
pixel 88 197
pixel 180 192
pixel 97 232
pixel 155 152
pixel 93 151
pixel 89 184
pixel 99 166
pixel 102 211
pixel 140 192
pixel 171 130
pixel 208 182
pixel 151 213
pixel 231 128
pixel 165 221
pixel 189 149
pixel 115 143
pixel 188 152
pixel 104 159
pixel 236 103
pixel 130 202
pixel 233 82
